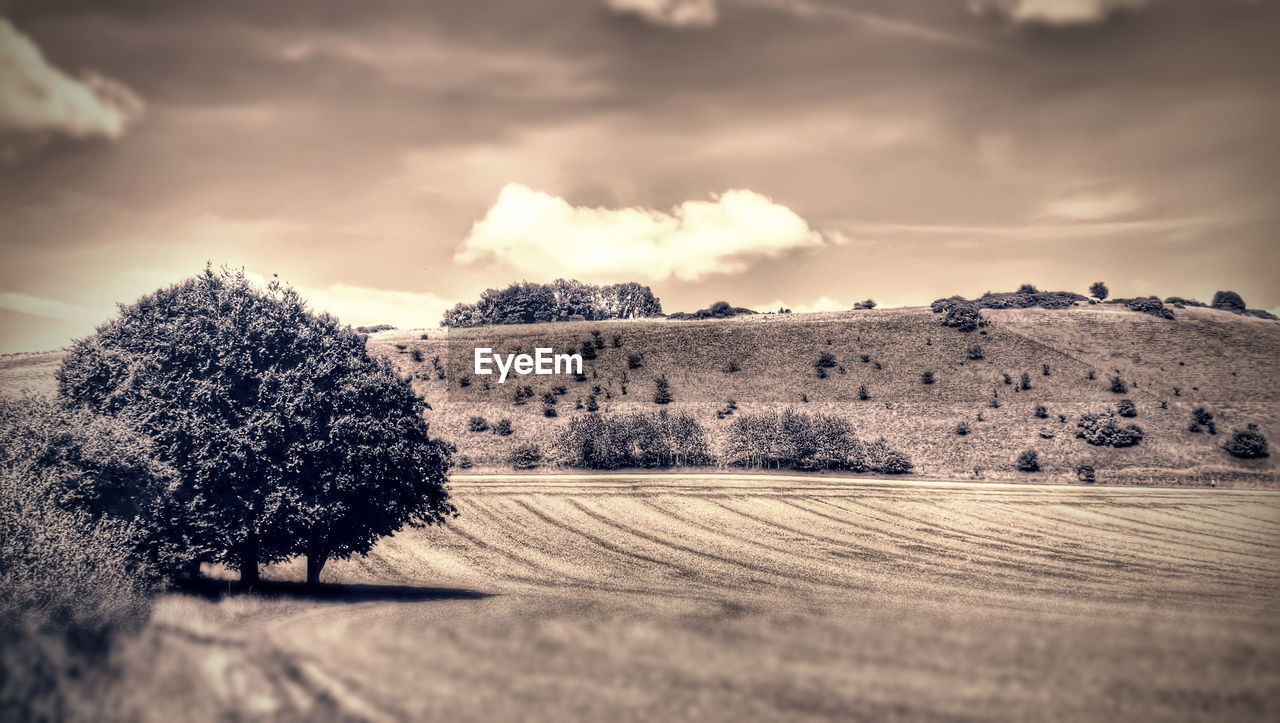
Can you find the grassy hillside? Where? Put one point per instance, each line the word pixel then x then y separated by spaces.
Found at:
pixel 1214 359
pixel 1203 358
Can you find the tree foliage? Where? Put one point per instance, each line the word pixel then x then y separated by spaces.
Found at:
pixel 561 300
pixel 285 435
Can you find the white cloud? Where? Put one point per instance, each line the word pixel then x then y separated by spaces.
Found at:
pixel 38 101
pixel 822 303
pixel 672 13
pixel 1093 206
pixel 367 306
pixel 47 308
pixel 1056 13
pixel 545 237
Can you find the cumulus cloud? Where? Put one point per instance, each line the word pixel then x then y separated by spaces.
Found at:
pixel 1093 206
pixel 545 237
pixel 671 13
pixel 39 101
pixel 1054 13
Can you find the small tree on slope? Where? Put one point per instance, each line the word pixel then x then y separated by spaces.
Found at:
pixel 287 437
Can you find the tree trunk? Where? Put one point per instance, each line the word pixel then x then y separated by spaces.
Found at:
pixel 315 563
pixel 249 562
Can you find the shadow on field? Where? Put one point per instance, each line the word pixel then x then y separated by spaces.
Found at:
pixel 332 592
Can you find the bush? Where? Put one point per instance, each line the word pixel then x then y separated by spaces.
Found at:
pixel 867 304
pixel 525 456
pixel 1085 473
pixel 464 462
pixel 1146 305
pixel 805 441
pixel 1028 461
pixel 661 390
pixel 718 310
pixel 1202 420
pixel 503 428
pixel 863 394
pixel 962 429
pixel 826 360
pixel 1024 383
pixel 649 440
pixel 732 367
pixel 975 353
pixel 1041 412
pixel 927 378
pixel 962 315
pixel 78 550
pixel 478 424
pixel 587 350
pixel 635 361
pixel 1126 408
pixel 1228 301
pixel 617 341
pixel 593 405
pixel 416 356
pixel 1247 444
pixel 1044 370
pixel 1101 430
pixel 1118 386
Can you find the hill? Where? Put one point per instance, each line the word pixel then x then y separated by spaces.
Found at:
pixel 1203 358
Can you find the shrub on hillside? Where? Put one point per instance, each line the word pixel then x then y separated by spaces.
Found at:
pixel 635 361
pixel 649 440
pixel 1040 412
pixel 1085 473
pixel 958 313
pixel 1146 305
pixel 863 393
pixel 1202 420
pixel 1101 430
pixel 78 543
pixel 806 441
pixel 1126 408
pixel 927 378
pixel 374 329
pixel 477 424
pixel 525 456
pixel 662 390
pixel 1228 301
pixel 1179 302
pixel 826 360
pixel 1099 290
pixel 1028 461
pixel 1118 386
pixel 1024 382
pixel 718 310
pixel 975 353
pixel 962 428
pixel 1247 444
pixel 503 428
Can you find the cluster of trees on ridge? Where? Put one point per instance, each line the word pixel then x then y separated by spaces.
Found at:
pixel 560 300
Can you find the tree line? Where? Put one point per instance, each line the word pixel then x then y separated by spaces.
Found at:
pixel 560 300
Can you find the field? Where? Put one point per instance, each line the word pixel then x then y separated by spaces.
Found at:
pixel 755 598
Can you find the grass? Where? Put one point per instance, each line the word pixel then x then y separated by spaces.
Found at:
pixel 1213 358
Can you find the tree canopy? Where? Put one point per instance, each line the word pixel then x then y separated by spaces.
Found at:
pixel 561 300
pixel 285 435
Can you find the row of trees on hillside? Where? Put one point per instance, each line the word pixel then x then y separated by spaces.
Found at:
pixel 661 439
pixel 560 300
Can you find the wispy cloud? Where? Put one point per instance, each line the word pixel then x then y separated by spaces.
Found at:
pixel 1053 13
pixel 38 101
pixel 1094 205
pixel 47 308
pixel 876 22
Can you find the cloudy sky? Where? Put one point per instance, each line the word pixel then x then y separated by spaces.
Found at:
pixel 391 158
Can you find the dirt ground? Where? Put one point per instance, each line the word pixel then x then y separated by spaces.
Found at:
pixel 658 597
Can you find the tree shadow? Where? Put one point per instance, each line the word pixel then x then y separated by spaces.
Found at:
pixel 215 589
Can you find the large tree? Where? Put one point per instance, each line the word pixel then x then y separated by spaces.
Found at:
pixel 286 435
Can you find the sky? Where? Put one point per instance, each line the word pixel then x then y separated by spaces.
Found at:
pixel 392 158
